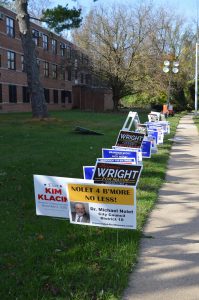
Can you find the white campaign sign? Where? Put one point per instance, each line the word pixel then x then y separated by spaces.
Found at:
pixel 102 205
pixel 50 196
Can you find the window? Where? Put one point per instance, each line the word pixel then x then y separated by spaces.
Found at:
pixel 11 60
pixel 82 78
pixel 35 36
pixel 54 46
pixel 47 95
pixel 1 93
pixel 22 63
pixel 62 73
pixel 54 71
pixel 68 52
pixel 62 47
pixel 46 69
pixel 66 95
pixel 69 75
pixel 63 98
pixel 12 93
pixel 88 79
pixel 55 96
pixel 10 30
pixel 45 41
pixel 26 95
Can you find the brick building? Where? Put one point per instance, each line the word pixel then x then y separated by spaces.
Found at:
pixel 61 66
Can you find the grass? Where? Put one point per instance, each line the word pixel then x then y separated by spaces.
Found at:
pixel 44 258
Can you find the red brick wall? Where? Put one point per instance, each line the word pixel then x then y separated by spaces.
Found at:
pixel 18 78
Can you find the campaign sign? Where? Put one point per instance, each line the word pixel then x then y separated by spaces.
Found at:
pixel 152 117
pixel 129 139
pixel 88 171
pixel 50 196
pixel 154 134
pixel 137 150
pixel 152 139
pixel 165 126
pixel 112 173
pixel 146 149
pixel 160 135
pixel 102 205
pixel 118 153
pixel 118 160
pixel 159 129
pixel 141 128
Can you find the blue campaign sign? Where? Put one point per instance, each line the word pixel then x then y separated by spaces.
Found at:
pixel 114 153
pixel 154 134
pixel 88 172
pixel 146 149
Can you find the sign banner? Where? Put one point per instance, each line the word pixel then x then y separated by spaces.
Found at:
pixel 51 197
pixel 128 161
pixel 111 173
pixel 120 153
pixel 129 139
pixel 102 205
pixel 146 149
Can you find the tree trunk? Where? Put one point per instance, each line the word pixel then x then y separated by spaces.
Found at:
pixel 39 106
pixel 116 97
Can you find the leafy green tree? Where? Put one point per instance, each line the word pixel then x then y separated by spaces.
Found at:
pixel 61 18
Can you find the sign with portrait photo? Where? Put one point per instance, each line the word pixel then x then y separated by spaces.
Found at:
pixel 102 205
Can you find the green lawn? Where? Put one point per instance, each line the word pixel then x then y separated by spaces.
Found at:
pixel 44 258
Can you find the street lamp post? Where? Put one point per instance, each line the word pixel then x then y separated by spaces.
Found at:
pixel 171 67
pixel 196 81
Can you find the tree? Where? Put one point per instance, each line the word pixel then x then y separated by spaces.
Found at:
pixel 61 18
pixel 39 106
pixel 170 39
pixel 113 38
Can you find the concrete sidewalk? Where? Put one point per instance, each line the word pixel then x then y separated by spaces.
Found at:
pixel 168 266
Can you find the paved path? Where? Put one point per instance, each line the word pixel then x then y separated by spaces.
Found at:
pixel 168 266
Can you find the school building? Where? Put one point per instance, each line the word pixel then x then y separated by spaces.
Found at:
pixel 64 71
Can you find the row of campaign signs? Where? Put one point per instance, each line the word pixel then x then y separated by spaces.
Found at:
pixel 106 196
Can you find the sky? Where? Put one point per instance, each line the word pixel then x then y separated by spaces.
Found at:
pixel 188 8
